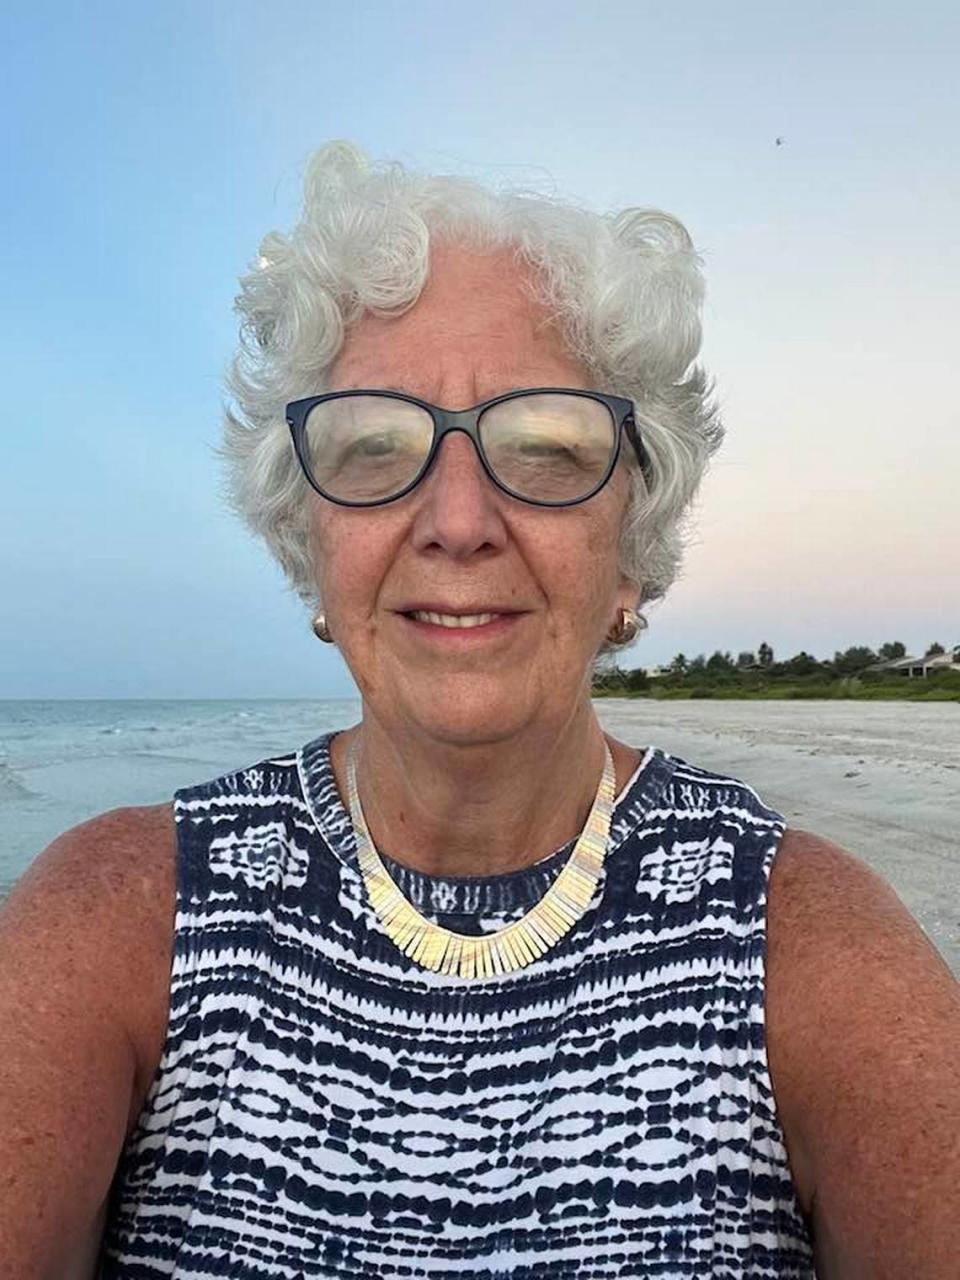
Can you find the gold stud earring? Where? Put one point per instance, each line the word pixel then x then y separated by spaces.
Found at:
pixel 629 625
pixel 321 630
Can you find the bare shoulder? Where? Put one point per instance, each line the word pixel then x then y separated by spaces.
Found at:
pixel 114 873
pixel 823 896
pixel 863 1031
pixel 119 851
pixel 98 905
pixel 85 946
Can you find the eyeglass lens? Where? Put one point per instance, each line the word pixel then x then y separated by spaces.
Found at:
pixel 546 447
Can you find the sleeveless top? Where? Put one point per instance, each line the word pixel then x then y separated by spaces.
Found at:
pixel 325 1107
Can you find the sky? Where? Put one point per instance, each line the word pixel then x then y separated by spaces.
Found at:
pixel 147 148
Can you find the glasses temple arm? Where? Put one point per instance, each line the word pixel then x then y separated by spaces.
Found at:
pixel 633 436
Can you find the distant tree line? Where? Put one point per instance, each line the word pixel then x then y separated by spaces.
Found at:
pixel 755 669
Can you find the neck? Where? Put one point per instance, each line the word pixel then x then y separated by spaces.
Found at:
pixel 478 809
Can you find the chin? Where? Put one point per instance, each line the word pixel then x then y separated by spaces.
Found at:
pixel 471 712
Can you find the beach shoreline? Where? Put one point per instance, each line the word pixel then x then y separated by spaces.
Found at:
pixel 880 779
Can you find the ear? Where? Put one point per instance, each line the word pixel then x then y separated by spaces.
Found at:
pixel 628 593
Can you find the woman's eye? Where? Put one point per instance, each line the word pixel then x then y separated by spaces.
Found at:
pixel 533 446
pixel 546 449
pixel 374 446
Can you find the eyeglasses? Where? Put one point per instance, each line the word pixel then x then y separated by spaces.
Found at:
pixel 550 446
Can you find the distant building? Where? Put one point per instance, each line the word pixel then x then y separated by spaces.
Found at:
pixel 921 667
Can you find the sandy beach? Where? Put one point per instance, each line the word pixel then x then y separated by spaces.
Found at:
pixel 880 779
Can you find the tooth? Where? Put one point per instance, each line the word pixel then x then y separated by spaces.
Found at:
pixel 454 621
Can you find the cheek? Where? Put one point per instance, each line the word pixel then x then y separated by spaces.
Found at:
pixel 352 555
pixel 603 545
pixel 337 562
pixel 324 572
pixel 583 573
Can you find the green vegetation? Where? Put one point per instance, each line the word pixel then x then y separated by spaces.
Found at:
pixel 758 675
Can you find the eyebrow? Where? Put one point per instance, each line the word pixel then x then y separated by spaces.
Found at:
pixel 405 391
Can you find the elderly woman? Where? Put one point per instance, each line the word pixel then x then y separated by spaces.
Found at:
pixel 471 988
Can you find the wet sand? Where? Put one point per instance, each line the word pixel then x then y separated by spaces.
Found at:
pixel 880 779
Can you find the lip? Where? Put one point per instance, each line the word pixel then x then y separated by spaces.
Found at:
pixel 458 611
pixel 501 625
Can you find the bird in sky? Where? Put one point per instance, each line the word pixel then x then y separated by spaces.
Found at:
pixel 780 141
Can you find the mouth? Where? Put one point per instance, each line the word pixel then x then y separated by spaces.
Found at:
pixel 454 621
pixel 476 622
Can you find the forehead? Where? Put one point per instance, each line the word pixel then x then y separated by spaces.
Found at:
pixel 476 325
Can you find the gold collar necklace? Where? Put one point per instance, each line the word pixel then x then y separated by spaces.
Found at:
pixel 515 945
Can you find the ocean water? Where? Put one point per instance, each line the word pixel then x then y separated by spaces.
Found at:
pixel 61 762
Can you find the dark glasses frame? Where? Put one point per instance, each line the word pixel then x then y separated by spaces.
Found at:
pixel 468 421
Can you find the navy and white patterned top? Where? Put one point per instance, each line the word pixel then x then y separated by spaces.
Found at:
pixel 325 1107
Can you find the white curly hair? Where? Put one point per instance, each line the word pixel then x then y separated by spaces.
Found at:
pixel 625 289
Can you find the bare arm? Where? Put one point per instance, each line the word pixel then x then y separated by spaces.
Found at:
pixel 863 1022
pixel 84 985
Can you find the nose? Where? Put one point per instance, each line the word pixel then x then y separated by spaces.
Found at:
pixel 460 509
